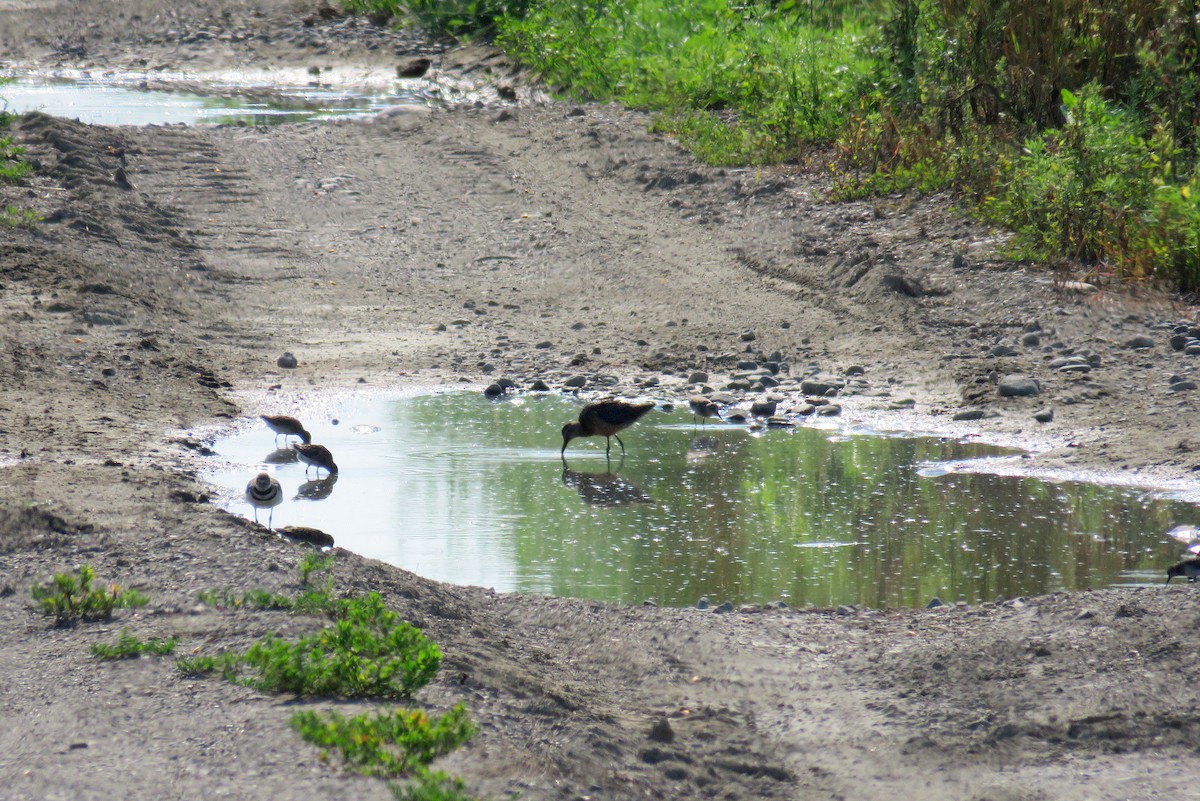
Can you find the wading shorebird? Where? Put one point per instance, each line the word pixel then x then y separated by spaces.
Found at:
pixel 317 456
pixel 264 492
pixel 704 408
pixel 1188 568
pixel 286 427
pixel 604 418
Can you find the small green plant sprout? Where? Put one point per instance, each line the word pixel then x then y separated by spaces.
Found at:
pixel 251 599
pixel 315 563
pixel 69 598
pixel 130 647
pixel 390 743
pixel 427 785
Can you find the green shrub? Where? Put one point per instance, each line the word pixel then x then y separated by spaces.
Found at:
pixel 70 598
pixel 367 652
pixel 1098 191
pixel 388 743
pixel 129 647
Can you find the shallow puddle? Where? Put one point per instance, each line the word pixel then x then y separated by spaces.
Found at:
pixel 466 490
pixel 124 100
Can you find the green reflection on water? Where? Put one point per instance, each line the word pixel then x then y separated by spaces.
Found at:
pixel 712 511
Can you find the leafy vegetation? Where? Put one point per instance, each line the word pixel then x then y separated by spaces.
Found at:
pixel 70 598
pixel 998 100
pixel 387 743
pixel 130 647
pixel 367 652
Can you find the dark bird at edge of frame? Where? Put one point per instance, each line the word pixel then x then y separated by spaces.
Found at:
pixel 604 418
pixel 1188 568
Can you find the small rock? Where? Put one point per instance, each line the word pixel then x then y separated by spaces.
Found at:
pixel 845 610
pixel 1044 415
pixel 968 414
pixel 493 390
pixel 575 382
pixel 1003 350
pixel 287 361
pixel 1179 341
pixel 698 377
pixel 413 67
pixel 763 408
pixel 1183 386
pixel 703 603
pixel 748 335
pixel 934 603
pixel 1140 342
pixel 725 607
pixel 813 387
pixel 661 731
pixel 1031 340
pixel 1085 614
pixel 539 386
pixel 1019 386
pixel 829 410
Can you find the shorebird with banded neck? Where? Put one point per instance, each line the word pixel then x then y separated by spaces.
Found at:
pixel 604 418
pixel 1188 568
pixel 264 492
pixel 317 456
pixel 286 426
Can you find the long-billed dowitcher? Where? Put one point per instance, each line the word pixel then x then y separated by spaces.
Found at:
pixel 286 427
pixel 264 492
pixel 604 418
pixel 317 456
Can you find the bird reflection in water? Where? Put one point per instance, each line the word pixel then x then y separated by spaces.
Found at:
pixel 317 490
pixel 700 447
pixel 604 490
pixel 281 456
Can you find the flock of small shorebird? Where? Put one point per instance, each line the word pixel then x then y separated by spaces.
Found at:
pixel 603 418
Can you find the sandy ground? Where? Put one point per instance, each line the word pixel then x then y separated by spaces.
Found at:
pixel 534 241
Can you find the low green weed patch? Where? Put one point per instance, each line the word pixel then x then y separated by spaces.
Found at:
pixel 70 598
pixel 367 652
pixel 130 647
pixel 388 743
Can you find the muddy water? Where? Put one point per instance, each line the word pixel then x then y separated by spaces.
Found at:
pixel 465 490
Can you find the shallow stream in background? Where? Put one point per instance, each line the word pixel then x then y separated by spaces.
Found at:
pixel 462 489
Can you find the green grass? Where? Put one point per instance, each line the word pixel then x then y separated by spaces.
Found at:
pixel 130 647
pixel 747 83
pixel 70 598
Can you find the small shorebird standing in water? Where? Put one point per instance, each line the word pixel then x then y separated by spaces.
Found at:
pixel 317 456
pixel 286 427
pixel 264 492
pixel 704 408
pixel 1188 568
pixel 604 418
